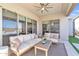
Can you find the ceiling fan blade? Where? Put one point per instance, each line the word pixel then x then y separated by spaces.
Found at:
pixel 49 7
pixel 46 4
pixel 42 4
pixel 46 10
pixel 42 11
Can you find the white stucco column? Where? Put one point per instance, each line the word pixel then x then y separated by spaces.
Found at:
pixel 0 26
pixel 39 27
pixel 18 24
pixel 26 25
pixel 70 20
pixel 64 29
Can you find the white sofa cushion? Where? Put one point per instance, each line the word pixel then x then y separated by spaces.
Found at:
pixel 12 38
pixel 53 40
pixel 16 43
pixel 47 34
pixel 21 37
pixel 32 36
pixel 54 37
pixel 28 44
pixel 4 50
pixel 27 37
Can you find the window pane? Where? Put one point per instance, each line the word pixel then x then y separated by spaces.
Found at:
pixel 51 26
pixel 9 27
pixel 34 26
pixel 77 26
pixel 9 22
pixel 22 25
pixel 31 26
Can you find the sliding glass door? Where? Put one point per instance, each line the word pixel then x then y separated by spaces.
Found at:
pixel 51 26
pixel 54 26
pixel 34 26
pixel 22 25
pixel 31 26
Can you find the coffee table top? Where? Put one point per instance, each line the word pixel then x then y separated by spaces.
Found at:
pixel 45 45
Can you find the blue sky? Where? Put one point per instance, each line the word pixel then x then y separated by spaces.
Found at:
pixel 75 11
pixel 9 24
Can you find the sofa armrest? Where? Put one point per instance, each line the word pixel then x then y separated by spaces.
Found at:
pixel 12 46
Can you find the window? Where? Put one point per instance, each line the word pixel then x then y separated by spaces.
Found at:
pixel 34 26
pixel 22 25
pixel 9 22
pixel 76 26
pixel 9 26
pixel 51 26
pixel 31 26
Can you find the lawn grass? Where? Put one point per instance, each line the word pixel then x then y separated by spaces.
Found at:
pixel 74 40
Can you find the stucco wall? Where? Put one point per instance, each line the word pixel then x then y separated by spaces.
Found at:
pixel 70 21
pixel 64 29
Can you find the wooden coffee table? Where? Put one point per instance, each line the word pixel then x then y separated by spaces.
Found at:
pixel 45 47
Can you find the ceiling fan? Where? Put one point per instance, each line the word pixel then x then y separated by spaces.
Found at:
pixel 43 7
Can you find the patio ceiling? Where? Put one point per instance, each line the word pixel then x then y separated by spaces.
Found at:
pixel 58 8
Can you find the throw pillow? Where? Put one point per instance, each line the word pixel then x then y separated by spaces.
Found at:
pixel 32 36
pixel 16 43
pixel 21 38
pixel 27 37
